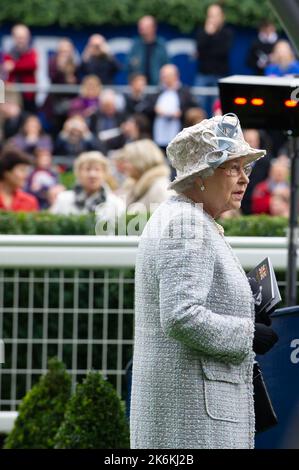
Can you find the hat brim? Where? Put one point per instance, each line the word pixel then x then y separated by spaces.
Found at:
pixel 251 155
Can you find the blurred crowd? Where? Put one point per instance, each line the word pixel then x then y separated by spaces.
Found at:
pixel 114 142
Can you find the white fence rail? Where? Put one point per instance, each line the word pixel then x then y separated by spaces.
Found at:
pixel 37 251
pixel 72 296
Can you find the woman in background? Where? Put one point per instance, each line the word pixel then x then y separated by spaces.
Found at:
pixel 91 193
pixel 147 174
pixel 14 170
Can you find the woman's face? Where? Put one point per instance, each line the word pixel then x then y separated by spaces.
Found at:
pixel 91 176
pixel 282 53
pixel 65 49
pixel 128 169
pixel 91 88
pixel 16 177
pixel 222 191
pixel 32 126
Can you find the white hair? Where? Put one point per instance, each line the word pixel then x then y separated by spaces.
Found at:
pixel 188 183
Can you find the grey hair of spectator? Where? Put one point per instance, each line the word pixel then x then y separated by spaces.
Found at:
pixel 90 157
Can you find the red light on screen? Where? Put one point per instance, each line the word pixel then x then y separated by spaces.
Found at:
pixel 240 100
pixel 290 103
pixel 257 101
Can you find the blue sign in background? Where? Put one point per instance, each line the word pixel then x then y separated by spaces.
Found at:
pixel 280 368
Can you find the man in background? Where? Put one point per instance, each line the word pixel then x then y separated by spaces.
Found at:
pixel 148 53
pixel 20 63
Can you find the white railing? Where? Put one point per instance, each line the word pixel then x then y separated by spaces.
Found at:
pixel 72 296
pixel 30 251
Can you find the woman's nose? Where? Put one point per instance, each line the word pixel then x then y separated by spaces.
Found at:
pixel 244 177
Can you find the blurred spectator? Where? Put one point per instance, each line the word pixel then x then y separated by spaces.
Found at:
pixel 147 175
pixel 11 114
pixel 214 42
pixel 14 169
pixel 278 178
pixel 63 65
pixel 88 101
pixel 260 171
pixel 136 127
pixel 91 194
pixel 63 70
pixel 280 202
pixel 98 60
pixel 53 193
pixel 75 138
pixel 148 53
pixel 32 136
pixel 170 105
pixel 259 53
pixel 42 178
pixel 20 63
pixel 283 60
pixel 136 101
pixel 194 116
pixel 106 121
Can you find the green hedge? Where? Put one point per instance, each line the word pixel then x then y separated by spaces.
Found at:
pixel 94 418
pixel 255 226
pixel 42 410
pixel 180 13
pixel 43 223
pixel 50 417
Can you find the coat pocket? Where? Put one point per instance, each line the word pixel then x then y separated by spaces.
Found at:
pixel 235 374
pixel 222 400
pixel 225 388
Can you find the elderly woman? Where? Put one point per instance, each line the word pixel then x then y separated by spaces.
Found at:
pixel 195 330
pixel 143 163
pixel 91 194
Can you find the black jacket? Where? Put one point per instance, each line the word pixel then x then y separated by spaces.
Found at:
pixel 258 55
pixel 104 67
pixel 213 51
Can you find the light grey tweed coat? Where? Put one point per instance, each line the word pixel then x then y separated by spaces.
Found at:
pixel 194 325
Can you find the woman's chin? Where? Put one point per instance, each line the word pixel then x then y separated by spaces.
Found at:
pixel 235 205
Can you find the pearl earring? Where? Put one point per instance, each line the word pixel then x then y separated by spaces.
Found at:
pixel 202 188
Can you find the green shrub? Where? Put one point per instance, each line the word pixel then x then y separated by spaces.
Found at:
pixel 41 411
pixel 255 226
pixel 44 223
pixel 94 418
pixel 180 13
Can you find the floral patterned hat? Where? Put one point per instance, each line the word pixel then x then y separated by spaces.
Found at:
pixel 208 145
